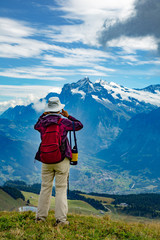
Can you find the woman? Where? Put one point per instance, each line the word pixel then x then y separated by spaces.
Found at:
pixel 52 115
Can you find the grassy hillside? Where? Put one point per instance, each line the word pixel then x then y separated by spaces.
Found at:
pixel 8 203
pixel 103 199
pixel 75 206
pixel 22 226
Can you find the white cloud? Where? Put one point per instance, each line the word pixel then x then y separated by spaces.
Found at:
pixel 143 23
pixel 10 28
pixel 132 44
pixel 20 47
pixel 21 44
pixel 40 73
pixel 91 16
pixel 92 72
pixel 152 62
pixel 25 45
pixel 105 69
pixel 135 61
pixel 39 106
pixel 75 61
pixel 23 95
pixel 59 57
pixel 78 57
pixel 17 40
pixel 131 58
pixel 24 91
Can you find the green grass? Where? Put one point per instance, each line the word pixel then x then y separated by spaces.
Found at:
pixel 21 226
pixel 80 207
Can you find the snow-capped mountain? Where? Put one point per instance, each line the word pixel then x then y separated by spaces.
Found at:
pixel 103 108
pixel 113 93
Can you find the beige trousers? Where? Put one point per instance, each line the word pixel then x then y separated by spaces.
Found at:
pixel 60 171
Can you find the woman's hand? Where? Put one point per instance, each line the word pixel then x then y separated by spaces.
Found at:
pixel 64 113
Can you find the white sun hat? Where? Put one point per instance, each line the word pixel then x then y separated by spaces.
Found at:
pixel 54 105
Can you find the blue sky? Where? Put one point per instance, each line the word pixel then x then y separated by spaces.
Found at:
pixel 45 44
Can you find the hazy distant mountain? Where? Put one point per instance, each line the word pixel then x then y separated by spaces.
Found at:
pixel 17 160
pixel 137 149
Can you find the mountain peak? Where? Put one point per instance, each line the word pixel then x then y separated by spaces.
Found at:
pixel 152 88
pixel 83 85
pixel 84 81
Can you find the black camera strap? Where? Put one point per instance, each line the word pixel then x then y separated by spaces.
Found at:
pixel 75 139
